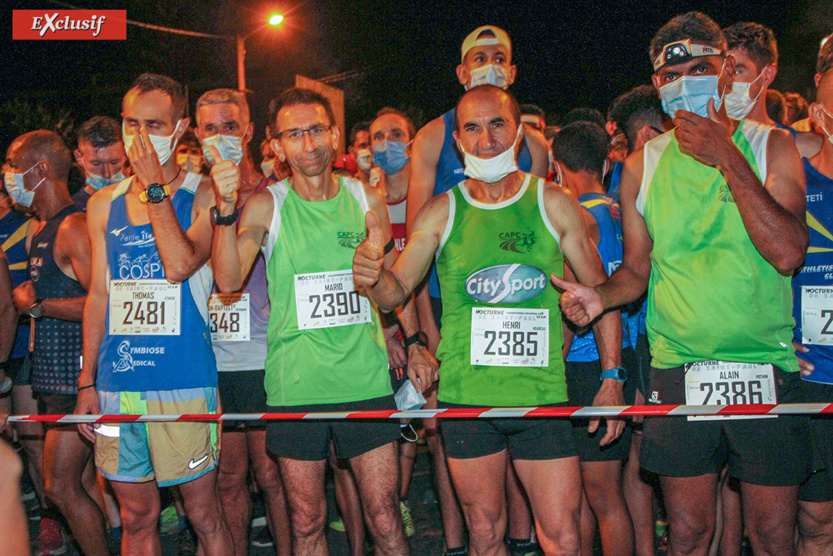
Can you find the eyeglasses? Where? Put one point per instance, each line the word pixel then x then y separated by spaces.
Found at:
pixel 679 52
pixel 316 133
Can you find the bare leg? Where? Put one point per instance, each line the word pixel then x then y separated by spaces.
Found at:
pixel 587 527
pixel 603 485
pixel 770 518
pixel 66 454
pixel 520 515
pixel 110 503
pixel 268 479
pixel 407 459
pixel 450 512
pixel 481 488
pixel 139 503
pixel 731 538
pixel 30 435
pixel 639 495
pixel 690 503
pixel 815 528
pixel 349 505
pixel 554 488
pixel 378 482
pixel 205 514
pixel 304 485
pixel 234 494
pixel 13 528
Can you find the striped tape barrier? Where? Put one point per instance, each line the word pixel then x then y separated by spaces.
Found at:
pixel 457 413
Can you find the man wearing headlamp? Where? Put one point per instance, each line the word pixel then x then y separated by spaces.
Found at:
pixel 713 218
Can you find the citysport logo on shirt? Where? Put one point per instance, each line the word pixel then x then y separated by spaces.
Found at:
pixel 517 242
pixel 69 25
pixel 506 283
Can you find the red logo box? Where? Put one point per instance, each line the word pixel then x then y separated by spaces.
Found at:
pixel 69 25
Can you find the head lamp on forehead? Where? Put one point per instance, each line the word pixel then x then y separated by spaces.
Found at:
pixel 679 52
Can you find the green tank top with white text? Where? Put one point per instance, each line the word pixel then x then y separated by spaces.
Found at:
pixel 325 341
pixel 494 263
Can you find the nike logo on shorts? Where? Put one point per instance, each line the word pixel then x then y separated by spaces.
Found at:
pixel 194 464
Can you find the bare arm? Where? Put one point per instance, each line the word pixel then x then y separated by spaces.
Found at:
pixel 773 212
pixel 8 313
pixel 390 288
pixel 95 309
pixel 537 144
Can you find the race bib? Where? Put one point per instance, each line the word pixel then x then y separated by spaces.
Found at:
pixel 229 317
pixel 817 315
pixel 503 337
pixel 722 383
pixel 328 299
pixel 144 307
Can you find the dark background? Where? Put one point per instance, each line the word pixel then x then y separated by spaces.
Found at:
pixel 579 53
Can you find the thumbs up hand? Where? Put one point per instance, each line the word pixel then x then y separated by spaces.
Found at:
pixel 580 304
pixel 370 254
pixel 226 176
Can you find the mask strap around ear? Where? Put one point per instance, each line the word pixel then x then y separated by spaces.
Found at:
pixel 605 167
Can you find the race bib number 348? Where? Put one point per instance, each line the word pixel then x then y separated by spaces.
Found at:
pixel 140 307
pixel 502 337
pixel 722 383
pixel 328 299
pixel 229 317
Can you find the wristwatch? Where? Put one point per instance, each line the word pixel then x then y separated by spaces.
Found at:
pixel 154 193
pixel 218 220
pixel 618 373
pixel 420 338
pixel 36 309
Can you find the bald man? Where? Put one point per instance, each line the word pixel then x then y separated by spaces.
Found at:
pixel 501 344
pixel 37 168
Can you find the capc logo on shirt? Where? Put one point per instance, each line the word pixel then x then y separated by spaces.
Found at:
pixel 69 25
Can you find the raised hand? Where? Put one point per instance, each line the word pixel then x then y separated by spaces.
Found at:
pixel 226 176
pixel 581 304
pixel 370 254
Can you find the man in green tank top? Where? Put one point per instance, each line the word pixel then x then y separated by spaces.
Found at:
pixel 325 348
pixel 496 236
pixel 713 218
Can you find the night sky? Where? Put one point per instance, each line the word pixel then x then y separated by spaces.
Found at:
pixel 568 53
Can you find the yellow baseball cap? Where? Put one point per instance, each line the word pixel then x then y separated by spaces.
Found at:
pixel 486 35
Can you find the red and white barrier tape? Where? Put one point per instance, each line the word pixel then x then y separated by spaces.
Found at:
pixel 456 413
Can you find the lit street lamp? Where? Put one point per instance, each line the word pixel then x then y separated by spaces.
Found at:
pixel 274 21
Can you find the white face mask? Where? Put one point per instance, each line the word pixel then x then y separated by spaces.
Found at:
pixel 824 127
pixel 17 191
pixel 163 146
pixel 363 159
pixel 491 170
pixel 738 102
pixel 490 74
pixel 268 166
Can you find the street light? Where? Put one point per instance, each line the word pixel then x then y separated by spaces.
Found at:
pixel 274 21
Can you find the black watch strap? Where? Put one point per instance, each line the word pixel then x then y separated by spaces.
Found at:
pixel 224 220
pixel 420 338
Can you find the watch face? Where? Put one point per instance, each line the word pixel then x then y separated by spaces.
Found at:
pixel 36 311
pixel 155 193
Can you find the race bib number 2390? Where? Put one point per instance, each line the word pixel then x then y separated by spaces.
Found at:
pixel 328 299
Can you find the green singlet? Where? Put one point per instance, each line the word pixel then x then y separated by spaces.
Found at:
pixel 711 296
pixel 494 262
pixel 325 341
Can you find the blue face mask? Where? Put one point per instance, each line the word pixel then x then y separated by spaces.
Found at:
pixel 691 93
pixel 390 156
pixel 230 147
pixel 97 182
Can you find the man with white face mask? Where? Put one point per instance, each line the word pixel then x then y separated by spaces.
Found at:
pixel 148 300
pixel 713 219
pixel 437 166
pixel 755 51
pixel 37 168
pixel 497 236
pixel 238 330
pixel 101 154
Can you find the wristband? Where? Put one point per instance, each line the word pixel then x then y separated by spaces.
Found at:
pixel 389 246
pixel 618 373
pixel 85 387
